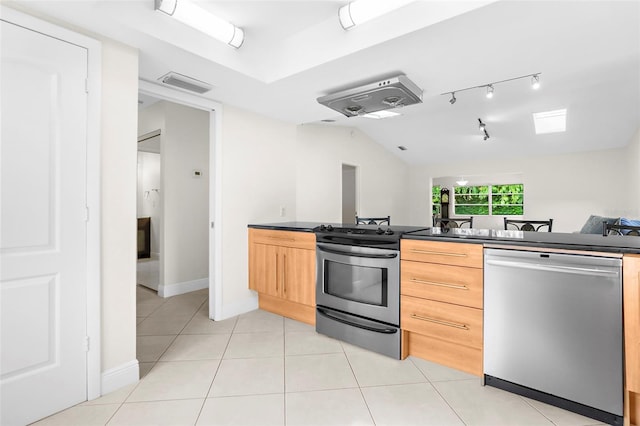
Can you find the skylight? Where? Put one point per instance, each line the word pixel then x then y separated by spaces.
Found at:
pixel 550 121
pixel 380 114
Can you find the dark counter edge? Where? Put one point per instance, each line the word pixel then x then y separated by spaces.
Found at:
pixel 287 226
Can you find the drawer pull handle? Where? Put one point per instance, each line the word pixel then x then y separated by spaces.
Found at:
pixel 454 286
pixel 441 322
pixel 439 253
pixel 281 238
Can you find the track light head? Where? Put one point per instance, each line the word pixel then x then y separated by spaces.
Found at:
pixel 490 91
pixel 535 81
pixel 453 98
pixel 483 129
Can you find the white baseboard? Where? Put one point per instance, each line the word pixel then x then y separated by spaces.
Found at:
pixel 123 375
pixel 230 310
pixel 169 290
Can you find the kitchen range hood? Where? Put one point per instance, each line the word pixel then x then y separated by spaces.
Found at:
pixel 380 95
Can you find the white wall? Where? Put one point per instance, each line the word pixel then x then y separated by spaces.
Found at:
pixel 258 177
pixel 567 188
pixel 119 244
pixel 633 185
pixel 381 176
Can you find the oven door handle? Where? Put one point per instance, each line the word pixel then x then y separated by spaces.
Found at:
pixel 349 253
pixel 353 322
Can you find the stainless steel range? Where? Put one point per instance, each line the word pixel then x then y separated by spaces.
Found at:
pixel 358 285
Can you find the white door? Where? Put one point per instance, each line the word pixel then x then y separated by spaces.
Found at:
pixel 43 360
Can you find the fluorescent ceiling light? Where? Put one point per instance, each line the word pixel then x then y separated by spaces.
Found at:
pixel 380 114
pixel 550 121
pixel 360 11
pixel 196 17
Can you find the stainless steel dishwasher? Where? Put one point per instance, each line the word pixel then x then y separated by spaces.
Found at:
pixel 553 329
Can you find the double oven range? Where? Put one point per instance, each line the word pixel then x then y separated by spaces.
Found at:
pixel 358 285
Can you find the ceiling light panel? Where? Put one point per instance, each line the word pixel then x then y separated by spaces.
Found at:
pixel 380 114
pixel 196 17
pixel 550 121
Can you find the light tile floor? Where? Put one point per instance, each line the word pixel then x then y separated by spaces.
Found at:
pixel 263 369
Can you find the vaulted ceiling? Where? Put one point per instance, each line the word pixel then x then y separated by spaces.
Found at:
pixel 588 54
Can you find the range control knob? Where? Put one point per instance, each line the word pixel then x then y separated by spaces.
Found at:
pixel 389 231
pixel 329 228
pixel 323 227
pixel 379 231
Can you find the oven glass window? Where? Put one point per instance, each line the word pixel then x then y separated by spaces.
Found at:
pixel 358 283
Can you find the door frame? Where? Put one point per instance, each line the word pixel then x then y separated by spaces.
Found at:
pixel 215 194
pixel 93 173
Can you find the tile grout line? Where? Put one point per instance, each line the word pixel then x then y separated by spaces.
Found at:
pixel 284 372
pixel 541 413
pixel 438 392
pixel 373 420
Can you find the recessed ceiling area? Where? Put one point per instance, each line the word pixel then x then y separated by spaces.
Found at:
pixel 588 54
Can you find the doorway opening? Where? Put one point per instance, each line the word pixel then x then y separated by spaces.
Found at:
pixel 213 178
pixel 173 193
pixel 349 193
pixel 149 210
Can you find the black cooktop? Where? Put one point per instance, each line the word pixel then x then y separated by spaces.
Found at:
pixel 363 235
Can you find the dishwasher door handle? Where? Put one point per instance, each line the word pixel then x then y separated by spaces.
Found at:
pixel 553 268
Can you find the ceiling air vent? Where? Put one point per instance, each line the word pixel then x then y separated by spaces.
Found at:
pixel 394 92
pixel 187 83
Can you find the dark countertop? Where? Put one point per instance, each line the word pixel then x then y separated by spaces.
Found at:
pixel 288 226
pixel 309 226
pixel 559 240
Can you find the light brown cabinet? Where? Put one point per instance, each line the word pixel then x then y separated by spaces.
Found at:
pixel 282 271
pixel 631 306
pixel 441 303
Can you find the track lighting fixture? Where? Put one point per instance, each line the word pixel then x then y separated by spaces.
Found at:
pixel 489 91
pixel 483 129
pixel 535 84
pixel 535 81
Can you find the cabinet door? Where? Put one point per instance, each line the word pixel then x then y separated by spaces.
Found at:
pixel 299 275
pixel 263 269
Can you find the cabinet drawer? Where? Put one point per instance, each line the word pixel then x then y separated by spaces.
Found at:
pixel 444 283
pixel 459 254
pixel 453 323
pixel 304 240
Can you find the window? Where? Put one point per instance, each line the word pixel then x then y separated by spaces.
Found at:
pixel 470 200
pixel 435 199
pixel 488 200
pixel 507 199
